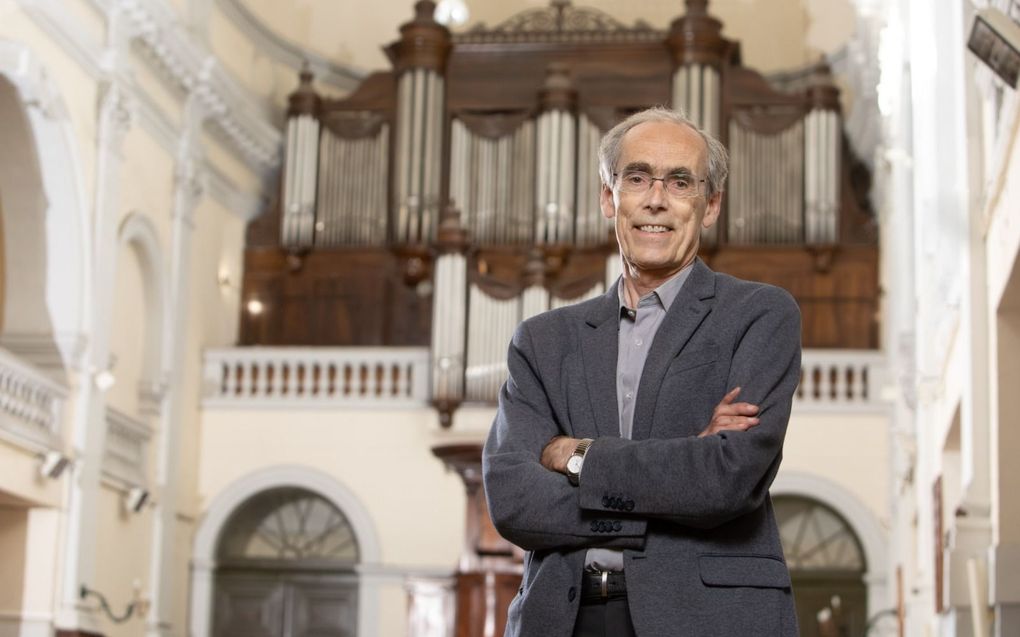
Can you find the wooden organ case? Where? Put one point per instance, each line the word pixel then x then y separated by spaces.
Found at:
pixel 455 195
pixel 448 199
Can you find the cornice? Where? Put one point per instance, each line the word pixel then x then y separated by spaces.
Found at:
pixel 179 59
pixel 192 68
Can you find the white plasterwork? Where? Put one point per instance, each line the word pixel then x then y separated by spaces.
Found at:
pixel 68 249
pixel 203 563
pixel 179 59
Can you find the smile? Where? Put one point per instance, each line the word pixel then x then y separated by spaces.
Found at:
pixel 653 228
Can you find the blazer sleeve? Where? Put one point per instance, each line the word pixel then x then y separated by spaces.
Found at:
pixel 705 482
pixel 529 505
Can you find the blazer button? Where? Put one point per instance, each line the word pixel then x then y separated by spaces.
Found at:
pixel 616 525
pixel 629 506
pixel 605 500
pixel 594 525
pixel 571 594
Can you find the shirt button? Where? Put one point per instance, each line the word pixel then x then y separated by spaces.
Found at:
pixel 638 342
pixel 628 395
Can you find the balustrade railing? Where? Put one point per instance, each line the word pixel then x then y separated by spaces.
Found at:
pixel 840 380
pixel 327 376
pixel 31 403
pixel 837 380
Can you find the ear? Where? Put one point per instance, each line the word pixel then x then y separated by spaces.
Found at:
pixel 606 202
pixel 712 211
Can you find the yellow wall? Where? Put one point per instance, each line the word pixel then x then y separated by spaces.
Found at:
pixel 382 456
pixel 124 552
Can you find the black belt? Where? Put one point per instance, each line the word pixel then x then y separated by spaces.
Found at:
pixel 600 586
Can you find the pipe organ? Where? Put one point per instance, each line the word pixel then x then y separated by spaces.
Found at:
pixel 459 191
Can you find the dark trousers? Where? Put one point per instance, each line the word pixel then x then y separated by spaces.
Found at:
pixel 610 618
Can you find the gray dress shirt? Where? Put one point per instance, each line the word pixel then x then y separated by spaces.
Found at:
pixel 637 331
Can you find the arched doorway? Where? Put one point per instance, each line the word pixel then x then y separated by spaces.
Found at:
pixel 825 560
pixel 285 565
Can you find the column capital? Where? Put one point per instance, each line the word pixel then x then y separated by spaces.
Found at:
pixel 117 115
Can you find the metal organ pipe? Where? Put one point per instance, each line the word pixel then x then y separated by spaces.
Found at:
pixel 696 91
pixel 448 326
pixel 300 180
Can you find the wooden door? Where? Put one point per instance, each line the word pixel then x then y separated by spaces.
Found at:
pixel 259 604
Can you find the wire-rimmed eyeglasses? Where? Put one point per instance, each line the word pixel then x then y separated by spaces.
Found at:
pixel 679 185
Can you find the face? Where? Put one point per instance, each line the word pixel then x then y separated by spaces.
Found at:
pixel 659 234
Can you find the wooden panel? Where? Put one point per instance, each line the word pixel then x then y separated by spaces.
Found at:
pixel 472 602
pixel 836 288
pixel 348 297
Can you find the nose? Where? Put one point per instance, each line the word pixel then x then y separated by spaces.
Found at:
pixel 657 197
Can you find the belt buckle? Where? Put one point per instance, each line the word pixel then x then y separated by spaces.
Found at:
pixel 605 585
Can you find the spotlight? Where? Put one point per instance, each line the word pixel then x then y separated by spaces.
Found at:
pixel 135 499
pixel 52 464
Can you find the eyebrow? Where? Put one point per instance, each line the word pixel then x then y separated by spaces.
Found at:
pixel 645 167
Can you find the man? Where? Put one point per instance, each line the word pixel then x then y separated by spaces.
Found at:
pixel 619 458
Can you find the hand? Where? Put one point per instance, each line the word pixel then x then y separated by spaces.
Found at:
pixel 731 416
pixel 556 453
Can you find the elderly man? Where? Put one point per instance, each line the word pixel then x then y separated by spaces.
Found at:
pixel 619 457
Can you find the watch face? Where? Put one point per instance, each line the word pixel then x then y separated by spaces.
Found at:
pixel 574 464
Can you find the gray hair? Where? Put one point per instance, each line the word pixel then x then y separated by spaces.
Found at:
pixel 609 149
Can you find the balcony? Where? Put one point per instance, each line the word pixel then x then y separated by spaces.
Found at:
pixel 832 380
pixel 31 404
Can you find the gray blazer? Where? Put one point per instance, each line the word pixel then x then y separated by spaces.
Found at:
pixel 702 553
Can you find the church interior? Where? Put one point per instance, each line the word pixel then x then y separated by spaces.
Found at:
pixel 261 262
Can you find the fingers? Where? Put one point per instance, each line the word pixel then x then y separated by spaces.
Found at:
pixel 736 409
pixel 728 398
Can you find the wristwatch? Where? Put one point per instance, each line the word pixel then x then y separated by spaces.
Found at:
pixel 576 461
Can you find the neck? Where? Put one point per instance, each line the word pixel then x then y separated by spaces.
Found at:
pixel 637 282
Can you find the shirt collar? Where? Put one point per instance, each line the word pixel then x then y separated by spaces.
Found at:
pixel 665 294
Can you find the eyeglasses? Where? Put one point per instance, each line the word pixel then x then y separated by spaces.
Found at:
pixel 679 185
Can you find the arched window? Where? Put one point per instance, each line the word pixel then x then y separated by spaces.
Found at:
pixel 286 566
pixel 825 560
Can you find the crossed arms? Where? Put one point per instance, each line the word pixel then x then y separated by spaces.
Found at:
pixel 697 481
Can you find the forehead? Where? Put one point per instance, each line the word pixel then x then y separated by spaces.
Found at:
pixel 664 146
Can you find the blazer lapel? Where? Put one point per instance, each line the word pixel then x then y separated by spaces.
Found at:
pixel 689 309
pixel 599 347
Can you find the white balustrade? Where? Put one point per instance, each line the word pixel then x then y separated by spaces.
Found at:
pixel 831 380
pixel 321 376
pixel 840 380
pixel 31 403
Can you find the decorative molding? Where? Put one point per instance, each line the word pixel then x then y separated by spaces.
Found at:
pixel 117 108
pixel 186 65
pixel 327 73
pixel 561 22
pixel 126 457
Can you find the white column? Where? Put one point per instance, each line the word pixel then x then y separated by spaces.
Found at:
pixel 189 186
pixel 89 423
